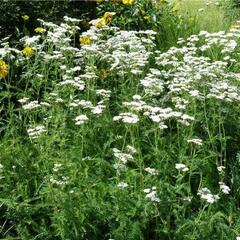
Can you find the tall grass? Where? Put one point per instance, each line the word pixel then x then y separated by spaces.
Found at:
pixel 206 15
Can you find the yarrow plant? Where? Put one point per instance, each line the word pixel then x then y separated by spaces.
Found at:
pixel 102 129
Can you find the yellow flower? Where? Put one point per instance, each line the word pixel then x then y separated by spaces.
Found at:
pixel 127 2
pixel 100 22
pixel 85 40
pixel 4 69
pixel 27 51
pixel 103 73
pixel 25 17
pixel 146 17
pixel 107 16
pixel 176 6
pixel 39 30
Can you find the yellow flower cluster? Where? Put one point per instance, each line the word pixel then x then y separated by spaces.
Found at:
pixel 4 69
pixel 85 40
pixel 128 2
pixel 39 30
pixel 25 17
pixel 100 22
pixel 146 17
pixel 176 6
pixel 27 51
pixel 103 73
pixel 108 17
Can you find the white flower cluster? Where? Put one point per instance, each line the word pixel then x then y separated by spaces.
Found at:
pixel 206 195
pixel 97 110
pixel 136 105
pixel 61 181
pixel 105 94
pixel 182 76
pixel 124 51
pixel 122 185
pixel 122 158
pixel 151 194
pixel 36 131
pixel 81 119
pixel 196 141
pixel 152 171
pixel 76 82
pixel 221 169
pixel 81 103
pixel 32 104
pixel 181 167
pixel 224 188
pixel 153 83
pixel 57 167
pixel 127 117
pixel 159 115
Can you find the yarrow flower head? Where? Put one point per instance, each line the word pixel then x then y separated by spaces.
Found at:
pixel 224 188
pixel 206 195
pixel 81 119
pixel 122 157
pixel 131 149
pixel 4 69
pixel 36 132
pixel 122 185
pixel 127 118
pixel 181 167
pixel 151 194
pixel 152 171
pixel 27 51
pixel 221 169
pixel 196 141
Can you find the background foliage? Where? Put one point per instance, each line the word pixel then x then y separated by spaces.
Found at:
pixel 11 12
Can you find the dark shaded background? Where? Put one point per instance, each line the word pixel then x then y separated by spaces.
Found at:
pixel 51 10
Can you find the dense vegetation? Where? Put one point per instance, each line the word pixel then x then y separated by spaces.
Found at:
pixel 121 127
pixel 11 21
